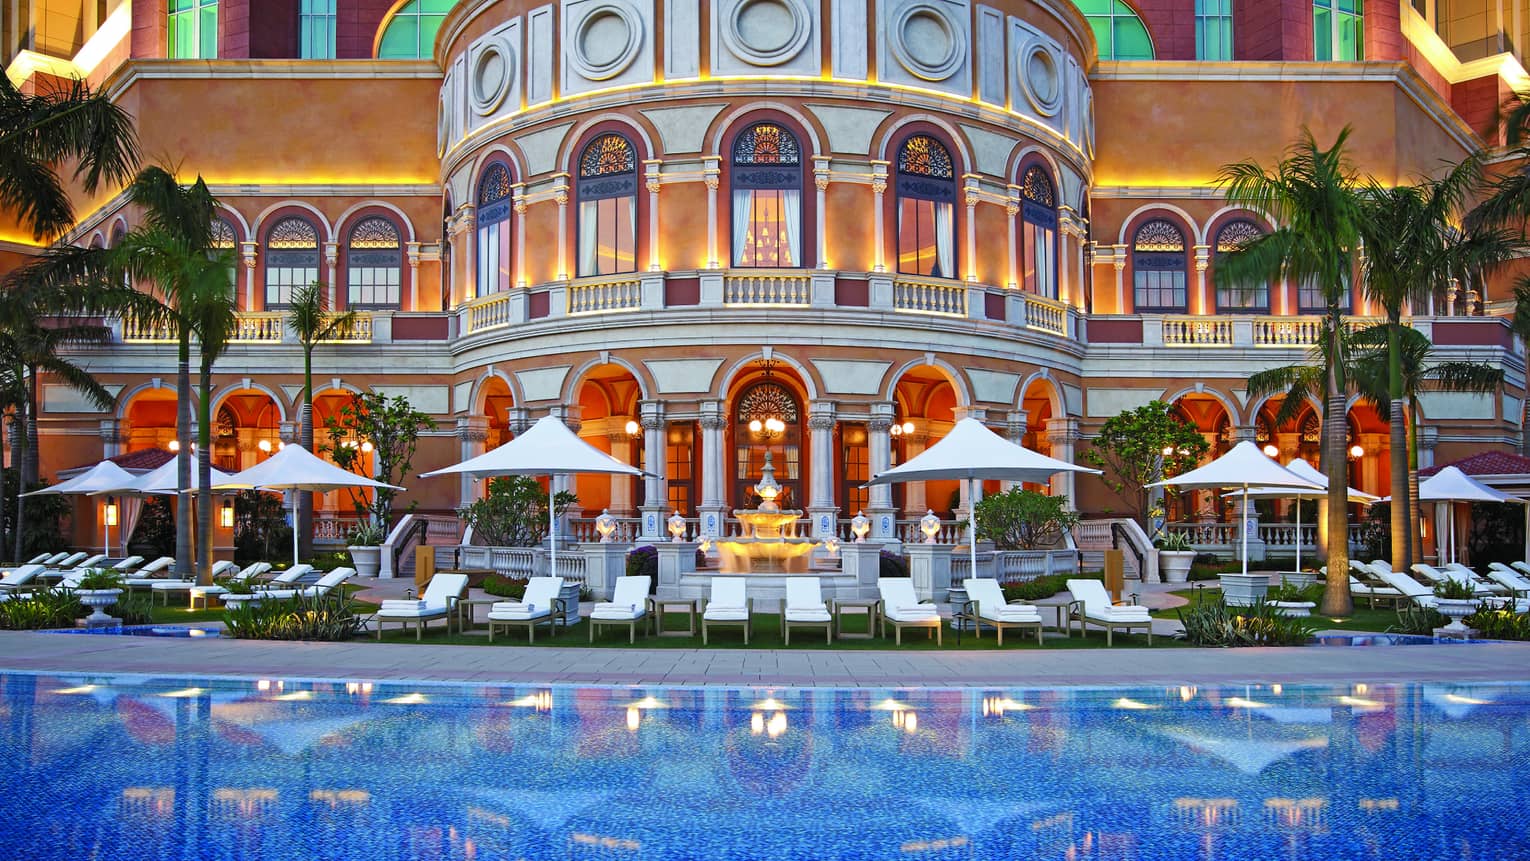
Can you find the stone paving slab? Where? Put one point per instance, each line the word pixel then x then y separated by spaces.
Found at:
pixel 524 664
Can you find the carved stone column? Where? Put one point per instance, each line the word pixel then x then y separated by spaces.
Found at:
pixel 821 183
pixel 1015 426
pixel 518 420
pixel 412 255
pixel 879 228
pixel 914 503
pixel 651 172
pixel 711 174
pixel 1012 211
pixel 879 505
pixel 970 198
pixel 714 419
pixel 111 438
pixel 520 206
pixel 560 194
pixel 1063 435
pixel 656 489
pixel 621 485
pixel 472 435
pixel 331 262
pixel 248 251
pixel 464 274
pixel 821 503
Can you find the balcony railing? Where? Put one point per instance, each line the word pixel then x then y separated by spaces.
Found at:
pixel 604 296
pixel 767 288
pixel 1197 332
pixel 487 312
pixel 930 297
pixel 1046 315
pixel 250 327
pixel 1286 331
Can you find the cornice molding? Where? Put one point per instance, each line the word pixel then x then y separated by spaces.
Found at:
pixel 133 71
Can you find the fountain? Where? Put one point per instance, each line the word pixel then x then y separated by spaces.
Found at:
pixel 768 542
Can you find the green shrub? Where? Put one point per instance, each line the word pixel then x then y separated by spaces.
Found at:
pixel 1174 542
pixel 890 564
pixel 1500 624
pixel 1213 623
pixel 134 608
pixel 1045 586
pixel 505 587
pixel 1418 620
pixel 1292 593
pixel 514 513
pixel 41 610
pixel 1020 519
pixel 101 578
pixel 330 561
pixel 328 618
pixel 1456 590
pixel 236 586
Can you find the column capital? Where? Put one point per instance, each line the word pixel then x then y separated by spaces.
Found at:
pixel 1063 429
pixel 970 413
pixel 572 415
pixel 713 415
pixel 1016 424
pixel 473 429
pixel 519 419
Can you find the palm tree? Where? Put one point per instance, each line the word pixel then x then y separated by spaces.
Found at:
pixel 211 312
pixel 1313 194
pixel 1520 325
pixel 172 253
pixel 308 319
pixel 1412 245
pixel 42 130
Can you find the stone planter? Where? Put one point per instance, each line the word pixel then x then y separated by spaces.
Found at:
pixel 98 600
pixel 1299 579
pixel 1174 565
pixel 1295 609
pixel 366 559
pixel 570 595
pixel 1455 609
pixel 1244 590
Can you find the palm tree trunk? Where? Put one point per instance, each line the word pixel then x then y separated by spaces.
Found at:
pixel 4 545
pixel 1401 509
pixel 24 440
pixel 1524 416
pixel 29 454
pixel 1415 538
pixel 1336 598
pixel 304 522
pixel 183 559
pixel 204 479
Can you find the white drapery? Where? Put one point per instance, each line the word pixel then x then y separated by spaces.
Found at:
pixel 791 224
pixel 945 242
pixel 589 234
pixel 1046 281
pixel 743 220
pixel 488 258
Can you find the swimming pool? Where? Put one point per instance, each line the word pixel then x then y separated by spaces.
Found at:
pixel 134 767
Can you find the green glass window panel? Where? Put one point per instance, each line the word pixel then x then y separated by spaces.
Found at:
pixel 1355 6
pixel 181 5
pixel 401 41
pixel 1101 27
pixel 429 26
pixel 1095 7
pixel 181 33
pixel 1322 34
pixel 1132 42
pixel 441 6
pixel 1351 38
pixel 208 37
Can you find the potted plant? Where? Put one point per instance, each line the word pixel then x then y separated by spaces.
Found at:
pixel 98 590
pixel 1175 557
pixel 1455 600
pixel 365 546
pixel 1293 599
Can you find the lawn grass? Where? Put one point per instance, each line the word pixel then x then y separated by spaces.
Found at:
pixel 766 635
pixel 1362 619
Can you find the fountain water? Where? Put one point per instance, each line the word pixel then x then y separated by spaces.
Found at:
pixel 768 542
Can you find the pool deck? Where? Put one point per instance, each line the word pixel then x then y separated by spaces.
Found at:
pixel 824 668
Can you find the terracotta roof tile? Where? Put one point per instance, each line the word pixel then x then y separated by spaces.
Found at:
pixel 1486 463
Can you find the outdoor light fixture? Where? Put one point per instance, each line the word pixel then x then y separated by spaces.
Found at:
pixel 1271 451
pixel 633 428
pixel 111 511
pixel 175 445
pixel 264 445
pixel 1356 451
pixel 226 514
pixel 366 447
pixel 901 429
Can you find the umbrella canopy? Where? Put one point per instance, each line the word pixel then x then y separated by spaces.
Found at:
pixel 104 477
pixel 1453 485
pixel 548 448
pixel 162 480
pixel 1305 470
pixel 972 451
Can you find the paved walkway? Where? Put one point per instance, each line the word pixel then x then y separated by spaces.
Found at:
pixel 522 664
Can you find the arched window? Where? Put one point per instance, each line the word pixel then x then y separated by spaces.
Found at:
pixel 1233 236
pixel 193 33
pixel 757 404
pixel 1338 30
pixel 493 219
pixel 1310 298
pixel 767 197
pixel 224 240
pixel 411 32
pixel 1158 267
pixel 374 264
pixel 1118 31
pixel 118 231
pixel 292 259
pixel 926 194
pixel 607 207
pixel 1038 232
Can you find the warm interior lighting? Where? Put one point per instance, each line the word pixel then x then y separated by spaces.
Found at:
pixel 226 514
pixel 296 696
pixel 264 445
pixel 174 445
pixel 633 428
pixel 366 447
pixel 755 426
pixel 111 511
pixel 1356 451
pixel 80 689
pixel 1271 451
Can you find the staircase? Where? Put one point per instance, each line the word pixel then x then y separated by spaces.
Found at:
pixel 417 530
pixel 1094 537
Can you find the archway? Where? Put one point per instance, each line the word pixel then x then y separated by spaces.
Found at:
pixel 334 512
pixel 1038 401
pixel 925 409
pixel 767 412
pixel 608 397
pixel 1210 416
pixel 148 420
pixel 246 429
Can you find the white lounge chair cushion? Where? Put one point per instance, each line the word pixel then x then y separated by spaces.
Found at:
pixel 728 592
pixel 510 611
pixel 914 613
pixel 419 611
pixel 1097 604
pixel 804 600
pixel 172 585
pixel 808 614
pixel 1011 613
pixel 402 604
pixel 618 612
pixel 21 576
pixel 717 613
pixel 900 604
pixel 1120 614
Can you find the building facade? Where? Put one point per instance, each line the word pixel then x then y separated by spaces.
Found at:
pixel 663 220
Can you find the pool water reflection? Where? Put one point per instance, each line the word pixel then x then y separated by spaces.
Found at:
pixel 278 770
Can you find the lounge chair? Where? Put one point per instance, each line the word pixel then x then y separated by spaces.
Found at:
pixel 21 577
pixel 1373 592
pixel 169 587
pixel 439 602
pixel 40 559
pixel 323 586
pixel 127 565
pixel 73 560
pixel 1091 603
pixel 539 606
pixel 1437 576
pixel 628 606
pixel 1414 591
pixel 154 572
pixel 804 608
pixel 986 606
pixel 1509 579
pixel 901 608
pixel 728 607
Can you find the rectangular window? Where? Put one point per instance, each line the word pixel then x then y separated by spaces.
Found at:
pixel 767 228
pixel 1309 300
pixel 193 33
pixel 1249 299
pixel 1213 30
pixel 1338 30
pixel 282 280
pixel 1159 290
pixel 680 466
pixel 926 241
pixel 607 236
pixel 316 30
pixel 1039 269
pixel 493 258
pixel 855 470
pixel 372 286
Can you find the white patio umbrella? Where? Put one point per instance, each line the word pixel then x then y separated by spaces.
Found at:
pixel 1303 469
pixel 549 448
pixel 1452 485
pixel 104 477
pixel 972 453
pixel 295 468
pixel 161 481
pixel 1243 466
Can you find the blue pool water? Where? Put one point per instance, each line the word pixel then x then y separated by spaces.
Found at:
pixel 132 767
pixel 143 631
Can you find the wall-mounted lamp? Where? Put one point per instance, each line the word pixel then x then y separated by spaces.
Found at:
pixel 111 511
pixel 633 428
pixel 226 514
pixel 1271 451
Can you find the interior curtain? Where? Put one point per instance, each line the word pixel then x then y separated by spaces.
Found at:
pixel 1046 279
pixel 791 223
pixel 945 241
pixel 743 217
pixel 628 263
pixel 589 230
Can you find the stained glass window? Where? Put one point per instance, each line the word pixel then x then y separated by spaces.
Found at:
pixel 1038 233
pixel 766 178
pixel 223 236
pixel 291 258
pixel 607 207
pixel 1118 31
pixel 1234 236
pixel 926 203
pixel 1159 267
pixel 374 264
pixel 493 220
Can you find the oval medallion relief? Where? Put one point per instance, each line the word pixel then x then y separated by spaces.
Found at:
pixel 768 32
pixel 1040 78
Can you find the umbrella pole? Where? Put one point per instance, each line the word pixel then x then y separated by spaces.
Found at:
pixel 552 530
pixel 972 530
pixel 1298 535
pixel 295 528
pixel 1243 527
